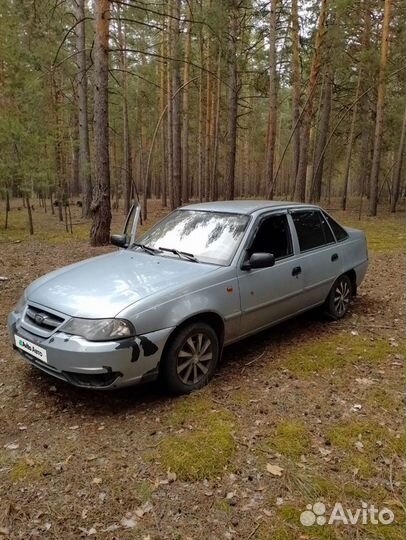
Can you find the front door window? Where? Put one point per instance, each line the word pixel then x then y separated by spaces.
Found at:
pixel 273 236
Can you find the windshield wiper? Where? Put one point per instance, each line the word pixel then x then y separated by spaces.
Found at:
pixel 180 254
pixel 148 249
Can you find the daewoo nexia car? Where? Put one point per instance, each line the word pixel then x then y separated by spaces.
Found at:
pixel 166 304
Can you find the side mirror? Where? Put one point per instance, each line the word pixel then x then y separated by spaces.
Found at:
pixel 119 240
pixel 259 260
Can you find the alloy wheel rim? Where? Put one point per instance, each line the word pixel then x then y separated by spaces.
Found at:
pixel 342 296
pixel 194 359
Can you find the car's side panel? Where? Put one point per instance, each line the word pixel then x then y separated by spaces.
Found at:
pixel 320 268
pixel 268 294
pixel 216 293
pixel 355 253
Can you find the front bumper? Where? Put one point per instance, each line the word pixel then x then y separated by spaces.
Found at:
pixel 104 365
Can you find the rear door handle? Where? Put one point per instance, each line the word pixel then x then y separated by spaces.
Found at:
pixel 296 271
pixel 334 257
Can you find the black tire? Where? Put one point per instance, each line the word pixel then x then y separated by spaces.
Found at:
pixel 339 298
pixel 199 361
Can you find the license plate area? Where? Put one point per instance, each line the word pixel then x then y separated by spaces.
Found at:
pixel 30 348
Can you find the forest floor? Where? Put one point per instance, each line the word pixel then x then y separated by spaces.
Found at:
pixel 308 411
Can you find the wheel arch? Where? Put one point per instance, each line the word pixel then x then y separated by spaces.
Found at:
pixel 353 278
pixel 209 317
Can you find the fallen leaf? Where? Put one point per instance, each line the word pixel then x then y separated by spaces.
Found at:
pixel 128 523
pixel 356 407
pixel 111 528
pixel 364 381
pixel 359 446
pixel 11 446
pixel 171 476
pixel 274 469
pixel 324 451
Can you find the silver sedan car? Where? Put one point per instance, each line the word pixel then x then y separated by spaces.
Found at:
pixel 165 304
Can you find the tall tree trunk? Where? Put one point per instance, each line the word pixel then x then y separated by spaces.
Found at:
pixel 176 106
pixel 366 115
pixel 318 163
pixel 300 187
pixel 376 158
pixel 169 48
pixel 185 113
pixel 216 128
pixel 59 159
pixel 295 89
pixel 100 207
pixel 29 211
pixel 164 146
pixel 7 208
pixel 232 104
pixel 271 134
pixel 350 145
pixel 75 180
pixel 397 172
pixel 126 168
pixel 207 145
pixel 85 176
pixel 200 144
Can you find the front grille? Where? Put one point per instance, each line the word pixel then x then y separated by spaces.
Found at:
pixel 43 319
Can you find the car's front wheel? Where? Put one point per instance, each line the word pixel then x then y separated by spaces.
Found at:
pixel 191 358
pixel 339 299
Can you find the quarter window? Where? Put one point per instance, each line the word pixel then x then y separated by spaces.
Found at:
pixel 312 229
pixel 273 236
pixel 338 231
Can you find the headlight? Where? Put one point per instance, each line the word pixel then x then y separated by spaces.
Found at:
pixel 99 329
pixel 19 307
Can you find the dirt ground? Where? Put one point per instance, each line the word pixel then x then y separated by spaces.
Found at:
pixel 310 411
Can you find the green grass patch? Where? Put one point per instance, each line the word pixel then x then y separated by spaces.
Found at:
pixel 291 438
pixel 22 471
pixel 334 352
pixel 376 441
pixel 384 233
pixel 47 228
pixel 285 525
pixel 204 447
pixel 386 399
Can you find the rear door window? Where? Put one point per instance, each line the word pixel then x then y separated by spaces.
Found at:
pixel 312 229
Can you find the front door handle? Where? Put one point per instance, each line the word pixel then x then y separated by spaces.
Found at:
pixel 296 271
pixel 334 257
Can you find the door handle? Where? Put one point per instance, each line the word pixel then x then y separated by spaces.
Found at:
pixel 334 257
pixel 296 271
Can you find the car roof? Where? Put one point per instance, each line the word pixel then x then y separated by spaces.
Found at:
pixel 246 206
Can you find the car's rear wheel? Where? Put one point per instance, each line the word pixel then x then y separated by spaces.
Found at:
pixel 191 358
pixel 339 299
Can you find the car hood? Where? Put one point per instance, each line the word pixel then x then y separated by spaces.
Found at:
pixel 105 285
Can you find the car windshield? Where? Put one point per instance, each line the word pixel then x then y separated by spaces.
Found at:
pixel 211 237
